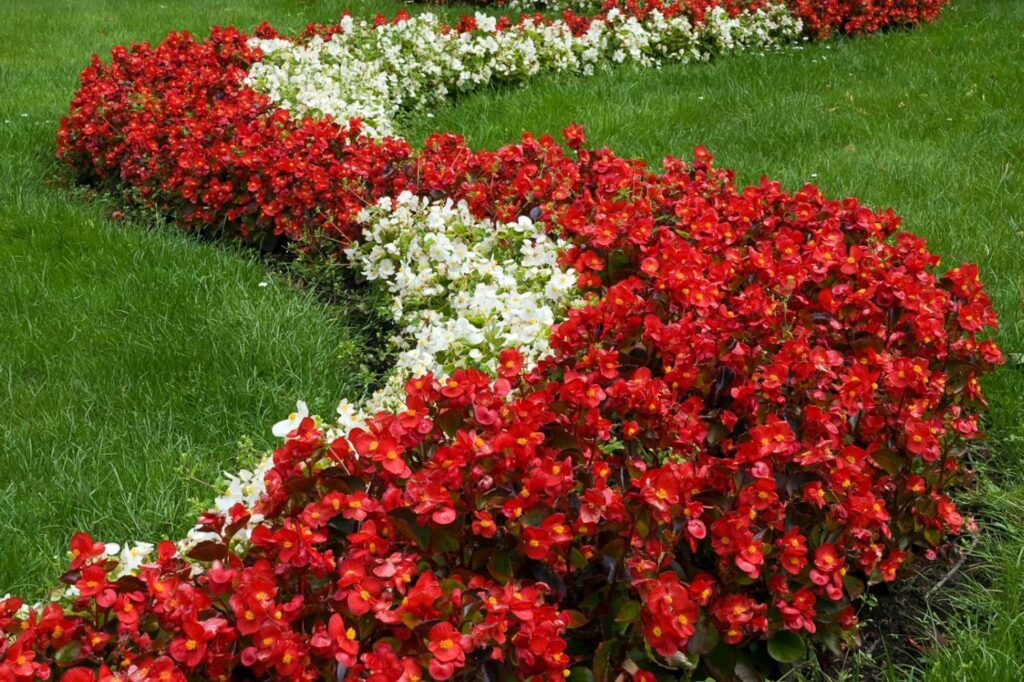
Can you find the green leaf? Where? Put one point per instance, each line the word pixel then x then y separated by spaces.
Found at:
pixel 450 585
pixel 889 460
pixel 409 619
pixel 68 654
pixel 830 637
pixel 703 640
pixel 854 586
pixel 745 672
pixel 786 647
pixel 642 525
pixel 411 531
pixel 500 567
pixel 596 597
pixel 576 619
pixel 449 421
pixel 628 613
pixel 443 540
pixel 614 550
pixel 729 664
pixel 606 650
pixel 580 674
pixel 479 559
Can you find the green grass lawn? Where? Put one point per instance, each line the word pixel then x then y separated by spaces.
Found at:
pixel 135 358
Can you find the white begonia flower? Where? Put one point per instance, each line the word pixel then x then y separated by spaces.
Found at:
pixel 349 417
pixel 285 426
pixel 245 488
pixel 346 409
pixel 133 557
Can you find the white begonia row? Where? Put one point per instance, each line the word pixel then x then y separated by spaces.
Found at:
pixel 462 289
pixel 377 72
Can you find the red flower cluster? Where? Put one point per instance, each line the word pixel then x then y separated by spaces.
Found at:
pixel 761 410
pixel 176 125
pixel 822 18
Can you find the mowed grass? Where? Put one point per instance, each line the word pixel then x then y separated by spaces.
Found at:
pixel 134 358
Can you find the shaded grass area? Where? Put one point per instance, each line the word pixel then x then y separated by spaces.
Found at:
pixel 977 623
pixel 929 122
pixel 132 358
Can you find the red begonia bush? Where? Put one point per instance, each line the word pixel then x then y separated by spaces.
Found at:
pixel 761 411
pixel 176 125
pixel 823 17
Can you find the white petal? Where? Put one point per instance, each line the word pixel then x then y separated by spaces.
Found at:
pixel 283 428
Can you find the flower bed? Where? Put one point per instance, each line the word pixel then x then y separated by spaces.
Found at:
pixel 641 422
pixel 195 129
pixel 821 18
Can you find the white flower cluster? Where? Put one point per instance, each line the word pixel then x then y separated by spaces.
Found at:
pixel 377 72
pixel 245 488
pixel 551 6
pixel 462 289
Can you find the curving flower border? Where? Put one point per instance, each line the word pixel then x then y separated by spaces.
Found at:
pixel 821 18
pixel 642 448
pixel 377 72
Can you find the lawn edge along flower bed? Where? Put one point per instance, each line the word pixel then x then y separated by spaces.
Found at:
pixel 756 409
